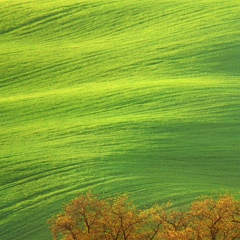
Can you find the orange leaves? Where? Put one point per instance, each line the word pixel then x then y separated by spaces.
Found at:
pixel 89 218
pixel 216 219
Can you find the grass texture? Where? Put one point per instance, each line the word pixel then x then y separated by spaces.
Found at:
pixel 116 96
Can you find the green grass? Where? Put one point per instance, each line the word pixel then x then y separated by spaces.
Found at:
pixel 117 96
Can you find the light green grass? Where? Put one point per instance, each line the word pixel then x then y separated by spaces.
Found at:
pixel 117 96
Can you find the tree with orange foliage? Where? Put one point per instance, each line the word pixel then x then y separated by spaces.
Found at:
pixel 90 218
pixel 213 220
pixel 87 217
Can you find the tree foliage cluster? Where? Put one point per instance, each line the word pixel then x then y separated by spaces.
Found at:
pixel 90 218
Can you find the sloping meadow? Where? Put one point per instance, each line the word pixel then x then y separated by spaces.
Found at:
pixel 116 96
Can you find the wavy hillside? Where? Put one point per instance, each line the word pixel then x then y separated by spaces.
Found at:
pixel 117 96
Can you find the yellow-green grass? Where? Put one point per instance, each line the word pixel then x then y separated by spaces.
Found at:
pixel 117 96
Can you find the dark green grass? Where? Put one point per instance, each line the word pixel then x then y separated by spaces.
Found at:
pixel 116 97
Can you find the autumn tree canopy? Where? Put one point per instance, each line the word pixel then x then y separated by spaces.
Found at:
pixel 90 218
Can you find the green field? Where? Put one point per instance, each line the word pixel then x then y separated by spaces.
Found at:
pixel 117 96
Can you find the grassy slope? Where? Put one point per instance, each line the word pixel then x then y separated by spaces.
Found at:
pixel 117 96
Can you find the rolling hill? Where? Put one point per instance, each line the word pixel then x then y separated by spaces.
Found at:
pixel 116 96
